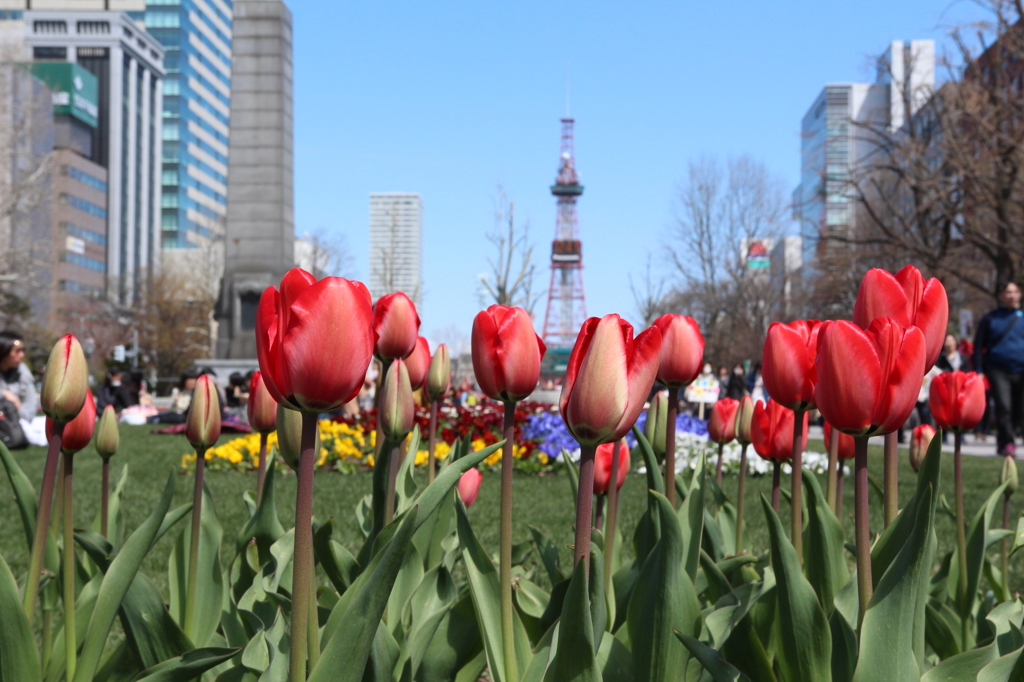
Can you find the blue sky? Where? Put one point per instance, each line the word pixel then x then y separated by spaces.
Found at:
pixel 452 100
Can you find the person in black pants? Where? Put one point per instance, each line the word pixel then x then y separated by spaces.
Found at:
pixel 999 351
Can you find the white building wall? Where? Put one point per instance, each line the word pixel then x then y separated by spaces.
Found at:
pixel 396 244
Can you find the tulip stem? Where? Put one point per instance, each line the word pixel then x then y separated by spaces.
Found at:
pixel 380 488
pixel 961 536
pixel 70 641
pixel 776 480
pixel 670 447
pixel 584 502
pixel 313 644
pixel 379 437
pixel 797 515
pixel 840 477
pixel 508 646
pixel 718 466
pixel 609 530
pixel 833 462
pixel 599 512
pixel 35 565
pixel 47 637
pixel 432 442
pixel 741 492
pixel 104 496
pixel 862 528
pixel 389 498
pixel 193 551
pixel 302 561
pixel 261 472
pixel 890 477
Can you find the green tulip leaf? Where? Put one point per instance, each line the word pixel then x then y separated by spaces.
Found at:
pixel 663 598
pixel 423 614
pixel 345 655
pixel 977 534
pixel 263 524
pixel 691 518
pixel 339 565
pixel 189 666
pixel 824 560
pixel 942 629
pixel 409 577
pixel 24 494
pixel 575 656
pixel 454 644
pixel 209 578
pixel 384 654
pixel 717 667
pixel 1018 538
pixel 805 643
pixel 730 610
pixel 655 481
pixel 888 650
pixel 405 483
pixel 844 647
pixel 965 666
pixel 548 553
pixel 151 633
pixel 116 583
pixel 19 657
pixel 1008 668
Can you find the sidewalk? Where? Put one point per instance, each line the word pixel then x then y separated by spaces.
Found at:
pixel 969 446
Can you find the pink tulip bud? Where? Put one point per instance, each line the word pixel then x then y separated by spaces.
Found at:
pixel 397 409
pixel 262 408
pixel 469 486
pixel 108 436
pixel 65 381
pixel 397 326
pixel 202 423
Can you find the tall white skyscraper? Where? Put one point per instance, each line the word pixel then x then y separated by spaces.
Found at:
pixel 396 244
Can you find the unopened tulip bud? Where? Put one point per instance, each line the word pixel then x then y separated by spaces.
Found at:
pixel 418 363
pixel 439 376
pixel 202 424
pixel 1009 474
pixel 744 416
pixel 289 436
pixel 397 408
pixel 657 421
pixel 920 439
pixel 77 432
pixel 469 486
pixel 108 436
pixel 262 407
pixel 65 381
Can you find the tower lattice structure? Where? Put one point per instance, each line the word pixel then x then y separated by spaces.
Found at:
pixel 567 304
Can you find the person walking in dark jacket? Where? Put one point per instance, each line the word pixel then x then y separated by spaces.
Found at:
pixel 999 352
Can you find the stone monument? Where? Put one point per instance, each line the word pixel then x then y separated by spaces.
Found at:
pixel 260 228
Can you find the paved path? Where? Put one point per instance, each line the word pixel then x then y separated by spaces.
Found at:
pixel 969 446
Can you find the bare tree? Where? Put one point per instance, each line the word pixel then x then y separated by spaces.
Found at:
pixel 648 296
pixel 727 219
pixel 510 280
pixel 325 253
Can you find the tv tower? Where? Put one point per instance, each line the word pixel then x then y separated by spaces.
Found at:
pixel 567 305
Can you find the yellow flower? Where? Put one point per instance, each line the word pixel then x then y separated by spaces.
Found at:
pixel 543 459
pixel 370 460
pixel 441 450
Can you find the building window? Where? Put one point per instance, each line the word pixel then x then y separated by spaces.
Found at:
pixel 44 53
pixel 50 26
pixel 83 261
pixel 163 19
pixel 83 205
pixel 82 233
pixel 93 27
pixel 84 178
pixel 248 303
pixel 171 132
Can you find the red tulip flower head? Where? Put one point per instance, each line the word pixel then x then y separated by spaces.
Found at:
pixel 506 353
pixel 682 350
pixel 910 300
pixel 868 380
pixel 788 365
pixel 418 363
pixel 603 466
pixel 77 432
pixel 722 424
pixel 920 439
pixel 469 486
pixel 846 442
pixel 771 430
pixel 262 408
pixel 397 326
pixel 608 379
pixel 957 400
pixel 314 340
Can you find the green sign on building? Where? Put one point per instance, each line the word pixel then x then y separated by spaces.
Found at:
pixel 75 90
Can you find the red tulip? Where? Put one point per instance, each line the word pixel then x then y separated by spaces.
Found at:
pixel 202 423
pixel 771 431
pixel 920 439
pixel 722 424
pixel 418 363
pixel 469 486
pixel 608 379
pixel 910 300
pixel 868 380
pixel 682 350
pixel 506 353
pixel 262 408
pixel 846 442
pixel 788 370
pixel 957 400
pixel 314 340
pixel 77 432
pixel 603 466
pixel 397 326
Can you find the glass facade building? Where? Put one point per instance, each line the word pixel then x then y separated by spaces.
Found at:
pixel 196 35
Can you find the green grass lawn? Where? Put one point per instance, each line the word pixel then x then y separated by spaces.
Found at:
pixel 543 501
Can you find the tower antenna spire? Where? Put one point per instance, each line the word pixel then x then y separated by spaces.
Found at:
pixel 567 305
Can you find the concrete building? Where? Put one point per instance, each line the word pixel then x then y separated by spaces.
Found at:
pixel 260 231
pixel 836 139
pixel 197 37
pixel 128 66
pixel 396 244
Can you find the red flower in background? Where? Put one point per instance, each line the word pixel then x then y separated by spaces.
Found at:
pixel 846 442
pixel 682 350
pixel 771 430
pixel 957 400
pixel 603 466
pixel 788 363
pixel 418 363
pixel 722 424
pixel 396 325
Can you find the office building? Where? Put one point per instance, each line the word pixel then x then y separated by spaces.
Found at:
pixel 260 229
pixel 836 140
pixel 127 64
pixel 396 244
pixel 197 37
